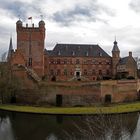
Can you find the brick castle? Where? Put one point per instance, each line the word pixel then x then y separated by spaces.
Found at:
pixel 66 62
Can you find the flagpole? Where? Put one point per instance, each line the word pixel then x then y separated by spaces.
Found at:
pixel 31 21
pixel 30 18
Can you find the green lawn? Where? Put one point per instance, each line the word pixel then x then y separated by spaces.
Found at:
pixel 129 107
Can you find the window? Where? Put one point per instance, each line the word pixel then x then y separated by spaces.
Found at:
pixel 93 72
pixel 51 72
pixel 97 63
pixel 51 61
pixel 89 61
pixel 58 61
pixel 71 73
pixel 58 72
pixel 100 72
pixel 65 72
pixel 93 61
pixel 59 53
pixel 85 72
pixel 70 61
pixel 87 54
pixel 100 54
pixel 77 61
pixel 30 62
pixel 65 61
pixel 73 53
pixel 107 72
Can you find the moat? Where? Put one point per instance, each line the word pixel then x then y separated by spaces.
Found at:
pixel 22 126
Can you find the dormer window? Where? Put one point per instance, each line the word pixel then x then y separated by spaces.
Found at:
pixel 87 54
pixel 66 47
pixel 59 53
pixel 100 54
pixel 73 53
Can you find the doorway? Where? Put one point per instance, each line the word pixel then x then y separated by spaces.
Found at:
pixel 108 98
pixel 78 75
pixel 59 100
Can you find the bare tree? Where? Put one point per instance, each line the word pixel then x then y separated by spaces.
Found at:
pixel 103 127
pixel 4 57
pixel 9 83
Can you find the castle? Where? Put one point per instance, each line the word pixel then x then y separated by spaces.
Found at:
pixel 66 62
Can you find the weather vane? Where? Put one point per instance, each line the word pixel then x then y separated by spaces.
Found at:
pixel 41 16
pixel 115 37
pixel 19 17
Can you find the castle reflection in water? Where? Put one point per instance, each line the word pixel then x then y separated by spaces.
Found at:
pixel 22 126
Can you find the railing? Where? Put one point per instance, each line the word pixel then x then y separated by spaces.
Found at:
pixel 31 73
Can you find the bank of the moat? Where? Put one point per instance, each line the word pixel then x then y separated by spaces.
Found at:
pixel 109 109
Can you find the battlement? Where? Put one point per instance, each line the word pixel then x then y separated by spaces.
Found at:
pixel 32 28
pixel 29 29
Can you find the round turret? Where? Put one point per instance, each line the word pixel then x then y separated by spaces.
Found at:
pixel 41 23
pixel 19 22
pixel 115 47
pixel 18 25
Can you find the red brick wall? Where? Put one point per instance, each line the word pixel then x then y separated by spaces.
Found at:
pixel 121 91
pixel 86 66
pixel 30 42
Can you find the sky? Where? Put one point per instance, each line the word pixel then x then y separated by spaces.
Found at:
pixel 76 21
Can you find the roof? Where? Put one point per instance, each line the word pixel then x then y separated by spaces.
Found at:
pixel 115 47
pixel 123 61
pixel 78 50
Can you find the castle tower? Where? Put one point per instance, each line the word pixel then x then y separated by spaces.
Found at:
pixel 30 43
pixel 115 58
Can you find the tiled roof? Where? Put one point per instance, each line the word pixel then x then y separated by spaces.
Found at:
pixel 123 60
pixel 77 50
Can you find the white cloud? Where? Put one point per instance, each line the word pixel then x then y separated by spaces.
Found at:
pixel 76 21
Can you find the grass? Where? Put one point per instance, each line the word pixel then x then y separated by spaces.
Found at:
pixel 113 109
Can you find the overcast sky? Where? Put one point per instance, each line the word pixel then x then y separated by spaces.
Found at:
pixel 76 21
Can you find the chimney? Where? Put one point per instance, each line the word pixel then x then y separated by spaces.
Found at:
pixel 130 54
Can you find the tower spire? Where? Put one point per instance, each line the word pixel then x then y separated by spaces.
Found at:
pixel 10 49
pixel 115 47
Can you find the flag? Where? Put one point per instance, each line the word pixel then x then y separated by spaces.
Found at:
pixel 29 17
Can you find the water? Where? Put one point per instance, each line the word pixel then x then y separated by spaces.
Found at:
pixel 22 126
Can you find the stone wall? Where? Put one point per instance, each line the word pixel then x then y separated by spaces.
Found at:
pixel 80 94
pixel 120 91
